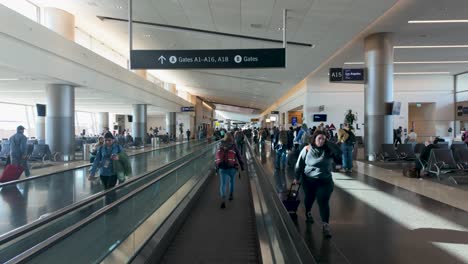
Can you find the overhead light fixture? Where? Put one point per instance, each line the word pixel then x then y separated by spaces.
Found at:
pixel 421 73
pixel 413 62
pixel 119 7
pixel 437 21
pixel 430 47
pixel 147 36
pixel 9 79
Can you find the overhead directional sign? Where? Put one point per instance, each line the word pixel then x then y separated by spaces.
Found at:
pixel 275 112
pixel 187 109
pixel 208 59
pixel 346 75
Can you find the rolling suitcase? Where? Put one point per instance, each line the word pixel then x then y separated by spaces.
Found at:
pixel 11 173
pixel 291 201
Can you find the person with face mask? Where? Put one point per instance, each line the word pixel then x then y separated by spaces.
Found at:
pixel 313 170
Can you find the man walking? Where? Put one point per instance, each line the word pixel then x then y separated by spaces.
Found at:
pixel 19 150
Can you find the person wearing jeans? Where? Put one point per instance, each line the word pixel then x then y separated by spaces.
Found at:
pixel 347 139
pixel 347 150
pixel 227 170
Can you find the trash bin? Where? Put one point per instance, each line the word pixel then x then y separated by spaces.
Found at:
pixel 86 151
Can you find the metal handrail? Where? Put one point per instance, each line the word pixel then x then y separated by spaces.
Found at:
pixel 77 167
pixel 9 236
pixel 46 244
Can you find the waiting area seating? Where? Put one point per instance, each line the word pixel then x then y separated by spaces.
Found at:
pixel 442 162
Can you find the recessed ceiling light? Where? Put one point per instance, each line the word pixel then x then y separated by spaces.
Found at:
pixel 421 73
pixel 437 21
pixel 9 79
pixel 147 36
pixel 119 7
pixel 430 47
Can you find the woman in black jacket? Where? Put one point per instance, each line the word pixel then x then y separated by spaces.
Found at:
pixel 313 170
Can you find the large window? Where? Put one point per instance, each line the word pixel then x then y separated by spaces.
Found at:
pixel 13 115
pixel 86 121
pixel 23 7
pixel 461 102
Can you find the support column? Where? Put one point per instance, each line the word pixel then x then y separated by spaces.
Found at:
pixel 59 21
pixel 40 128
pixel 139 121
pixel 102 121
pixel 171 123
pixel 60 120
pixel 378 128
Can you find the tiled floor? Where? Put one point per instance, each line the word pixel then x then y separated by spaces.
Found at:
pixel 378 216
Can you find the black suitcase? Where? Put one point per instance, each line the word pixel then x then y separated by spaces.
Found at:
pixel 291 200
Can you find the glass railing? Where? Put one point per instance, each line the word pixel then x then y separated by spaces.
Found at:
pixel 92 239
pixel 30 236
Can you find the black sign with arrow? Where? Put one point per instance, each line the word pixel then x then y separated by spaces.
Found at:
pixel 208 59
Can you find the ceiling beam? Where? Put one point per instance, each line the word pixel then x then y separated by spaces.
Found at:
pixel 187 29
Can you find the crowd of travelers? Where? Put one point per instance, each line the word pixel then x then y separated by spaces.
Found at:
pixel 313 152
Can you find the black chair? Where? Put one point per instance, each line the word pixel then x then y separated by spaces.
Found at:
pixel 5 151
pixel 41 154
pixel 442 145
pixel 389 153
pixel 441 161
pixel 461 158
pixel 405 151
pixel 78 144
pixel 458 145
pixel 418 148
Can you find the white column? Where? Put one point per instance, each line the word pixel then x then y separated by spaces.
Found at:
pixel 59 21
pixel 102 121
pixel 60 120
pixel 378 91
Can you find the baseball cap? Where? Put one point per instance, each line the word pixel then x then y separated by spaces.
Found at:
pixel 20 128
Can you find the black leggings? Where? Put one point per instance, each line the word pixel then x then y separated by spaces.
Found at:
pixel 321 190
pixel 109 182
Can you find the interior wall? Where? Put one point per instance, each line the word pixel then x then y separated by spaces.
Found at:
pixel 156 121
pixel 339 97
pixel 423 120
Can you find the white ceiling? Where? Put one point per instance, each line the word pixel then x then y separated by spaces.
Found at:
pixel 328 24
pixel 335 27
pixel 404 34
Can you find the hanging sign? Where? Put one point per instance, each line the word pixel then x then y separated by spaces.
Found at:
pixel 208 59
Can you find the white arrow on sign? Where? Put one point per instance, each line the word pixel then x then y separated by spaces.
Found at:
pixel 162 59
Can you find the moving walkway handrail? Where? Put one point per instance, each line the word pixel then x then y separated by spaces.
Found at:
pixel 9 236
pixel 292 243
pixel 77 167
pixel 46 244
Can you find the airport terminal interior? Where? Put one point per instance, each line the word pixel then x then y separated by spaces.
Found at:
pixel 234 131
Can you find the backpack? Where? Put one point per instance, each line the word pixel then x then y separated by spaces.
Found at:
pixel 226 157
pixel 351 138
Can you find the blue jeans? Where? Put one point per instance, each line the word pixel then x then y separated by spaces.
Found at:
pixel 280 156
pixel 223 178
pixel 347 155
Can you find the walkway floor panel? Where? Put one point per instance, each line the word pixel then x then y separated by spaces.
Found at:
pixel 214 235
